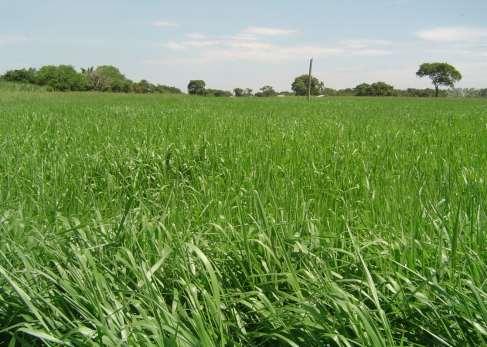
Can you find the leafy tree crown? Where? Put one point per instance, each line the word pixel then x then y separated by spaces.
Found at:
pixel 441 74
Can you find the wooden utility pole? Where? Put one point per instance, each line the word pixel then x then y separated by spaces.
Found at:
pixel 309 79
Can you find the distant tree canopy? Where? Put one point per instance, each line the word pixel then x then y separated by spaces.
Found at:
pixel 301 83
pixel 363 89
pixel 103 78
pixel 266 91
pixel 374 89
pixel 285 93
pixel 382 89
pixel 22 76
pixel 143 87
pixel 217 92
pixel 108 78
pixel 441 74
pixel 62 78
pixel 196 87
pixel 421 93
pixel 466 93
pixel 330 92
pixel 346 92
pixel 163 89
pixel 240 92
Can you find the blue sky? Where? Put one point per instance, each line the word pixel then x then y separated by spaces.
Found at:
pixel 250 43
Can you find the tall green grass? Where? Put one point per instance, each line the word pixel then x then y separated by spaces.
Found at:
pixel 6 86
pixel 178 221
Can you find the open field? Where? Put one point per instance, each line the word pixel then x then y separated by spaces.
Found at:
pixel 179 221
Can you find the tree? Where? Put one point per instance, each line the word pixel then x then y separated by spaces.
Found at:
pixel 441 74
pixel 143 87
pixel 107 78
pixel 217 92
pixel 346 92
pixel 374 89
pixel 239 92
pixel 285 93
pixel 104 78
pixel 464 92
pixel 266 91
pixel 381 89
pixel 300 85
pixel 330 92
pixel 196 87
pixel 61 78
pixel 362 89
pixel 167 89
pixel 22 76
pixel 421 93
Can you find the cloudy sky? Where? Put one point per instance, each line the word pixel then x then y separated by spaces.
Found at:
pixel 250 43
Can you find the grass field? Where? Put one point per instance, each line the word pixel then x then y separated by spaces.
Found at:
pixel 6 86
pixel 178 221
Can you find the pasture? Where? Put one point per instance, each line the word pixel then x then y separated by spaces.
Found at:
pixel 186 221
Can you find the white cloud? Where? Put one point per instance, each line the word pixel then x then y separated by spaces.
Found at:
pixel 164 24
pixel 12 39
pixel 454 34
pixel 263 52
pixel 234 49
pixel 196 36
pixel 369 52
pixel 364 43
pixel 175 46
pixel 195 44
pixel 251 47
pixel 202 43
pixel 267 31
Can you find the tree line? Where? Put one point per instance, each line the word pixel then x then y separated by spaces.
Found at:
pixel 108 78
pixel 440 74
pixel 104 78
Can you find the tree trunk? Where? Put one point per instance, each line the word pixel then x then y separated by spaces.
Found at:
pixel 437 91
